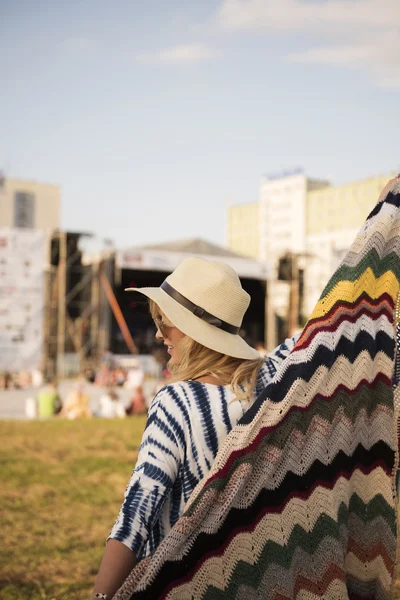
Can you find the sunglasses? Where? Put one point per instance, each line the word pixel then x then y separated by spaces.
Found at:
pixel 161 326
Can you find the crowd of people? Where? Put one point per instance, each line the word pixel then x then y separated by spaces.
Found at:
pixel 125 392
pixel 21 380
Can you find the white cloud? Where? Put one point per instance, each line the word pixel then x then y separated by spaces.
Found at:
pixel 178 55
pixel 378 55
pixel 360 34
pixel 335 16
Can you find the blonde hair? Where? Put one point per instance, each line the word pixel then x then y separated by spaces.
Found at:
pixel 198 361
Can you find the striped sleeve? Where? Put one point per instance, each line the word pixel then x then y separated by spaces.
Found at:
pixel 159 459
pixel 273 360
pixel 278 355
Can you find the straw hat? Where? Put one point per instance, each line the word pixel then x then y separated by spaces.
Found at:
pixel 206 301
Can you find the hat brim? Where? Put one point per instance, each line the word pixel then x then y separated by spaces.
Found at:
pixel 205 334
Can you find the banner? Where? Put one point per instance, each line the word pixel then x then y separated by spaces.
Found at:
pixel 22 297
pixel 166 261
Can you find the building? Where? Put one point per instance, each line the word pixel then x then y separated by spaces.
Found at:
pixel 22 298
pixel 334 217
pixel 283 210
pixel 303 228
pixel 242 229
pixel 29 213
pixel 282 233
pixel 29 205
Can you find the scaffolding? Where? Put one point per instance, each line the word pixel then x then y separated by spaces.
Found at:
pixel 79 305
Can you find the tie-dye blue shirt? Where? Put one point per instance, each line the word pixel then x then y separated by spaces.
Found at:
pixel 187 422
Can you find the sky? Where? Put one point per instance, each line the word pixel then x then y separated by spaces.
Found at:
pixel 154 116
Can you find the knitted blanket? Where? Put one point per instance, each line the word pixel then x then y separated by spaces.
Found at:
pixel 301 500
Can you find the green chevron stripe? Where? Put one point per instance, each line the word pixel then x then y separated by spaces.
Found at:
pixel 365 398
pixel 379 266
pixel 376 507
pixel 273 553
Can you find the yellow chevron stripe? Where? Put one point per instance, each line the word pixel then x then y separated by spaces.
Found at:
pixel 350 291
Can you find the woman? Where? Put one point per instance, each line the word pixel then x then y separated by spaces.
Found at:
pixel 198 311
pixel 134 382
pixel 77 404
pixel 111 406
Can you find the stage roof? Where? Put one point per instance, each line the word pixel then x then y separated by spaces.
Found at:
pixel 166 257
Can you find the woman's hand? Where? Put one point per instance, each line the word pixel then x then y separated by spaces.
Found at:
pixel 388 187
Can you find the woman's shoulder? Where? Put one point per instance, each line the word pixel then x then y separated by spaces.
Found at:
pixel 177 389
pixel 169 388
pixel 191 386
pixel 170 393
pixel 172 405
pixel 182 393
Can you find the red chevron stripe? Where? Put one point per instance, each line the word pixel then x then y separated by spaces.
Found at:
pixel 268 429
pixel 370 553
pixel 350 317
pixel 330 316
pixel 328 485
pixel 279 509
pixel 385 297
pixel 333 573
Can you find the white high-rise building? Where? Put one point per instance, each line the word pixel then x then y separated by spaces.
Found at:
pixel 313 221
pixel 283 211
pixel 282 230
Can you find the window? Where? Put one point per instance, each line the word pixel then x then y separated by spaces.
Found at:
pixel 24 210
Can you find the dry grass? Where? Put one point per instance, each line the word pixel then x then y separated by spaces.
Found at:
pixel 61 488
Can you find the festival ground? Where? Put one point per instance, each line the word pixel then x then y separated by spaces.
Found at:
pixel 61 487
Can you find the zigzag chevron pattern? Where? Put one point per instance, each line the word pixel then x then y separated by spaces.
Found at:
pixel 301 500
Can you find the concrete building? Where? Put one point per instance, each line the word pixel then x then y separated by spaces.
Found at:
pixel 282 230
pixel 308 219
pixel 342 207
pixel 243 229
pixel 333 219
pixel 29 205
pixel 283 210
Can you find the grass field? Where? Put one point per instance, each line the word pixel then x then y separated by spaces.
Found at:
pixel 62 483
